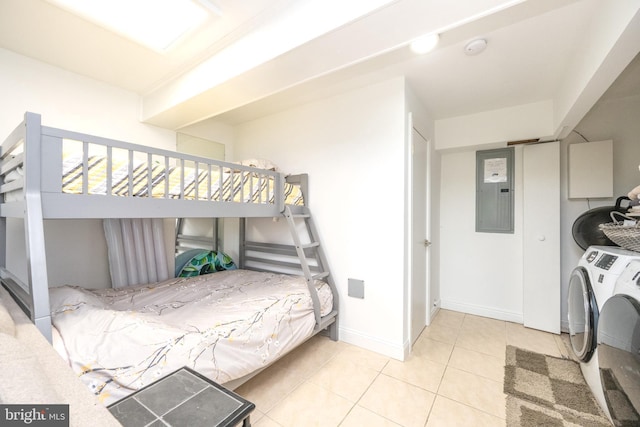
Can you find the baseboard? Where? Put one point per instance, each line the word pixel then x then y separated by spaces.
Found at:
pixel 434 311
pixel 389 349
pixel 483 311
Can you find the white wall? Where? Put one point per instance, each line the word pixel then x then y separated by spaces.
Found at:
pixel 495 127
pixel 76 249
pixel 615 119
pixel 213 130
pixel 353 148
pixel 481 273
pixel 70 101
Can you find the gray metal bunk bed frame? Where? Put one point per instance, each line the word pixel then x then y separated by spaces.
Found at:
pixel 34 153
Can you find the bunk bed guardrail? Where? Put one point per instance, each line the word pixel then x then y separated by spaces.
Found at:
pixel 38 181
pixel 122 173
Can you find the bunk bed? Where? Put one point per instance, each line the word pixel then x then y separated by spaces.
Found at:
pixel 49 173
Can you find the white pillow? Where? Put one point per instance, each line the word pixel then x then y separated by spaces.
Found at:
pixel 63 298
pixel 260 163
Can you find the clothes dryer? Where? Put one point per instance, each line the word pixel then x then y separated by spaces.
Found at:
pixel 591 284
pixel 618 349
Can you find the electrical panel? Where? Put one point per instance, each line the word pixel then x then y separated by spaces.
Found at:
pixel 494 190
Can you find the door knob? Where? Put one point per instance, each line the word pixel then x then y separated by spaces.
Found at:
pixel 427 243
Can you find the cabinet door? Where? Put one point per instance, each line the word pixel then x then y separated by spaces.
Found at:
pixel 541 248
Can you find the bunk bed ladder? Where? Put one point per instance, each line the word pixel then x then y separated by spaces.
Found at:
pixel 318 271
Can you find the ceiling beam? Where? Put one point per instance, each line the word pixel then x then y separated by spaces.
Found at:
pixel 193 97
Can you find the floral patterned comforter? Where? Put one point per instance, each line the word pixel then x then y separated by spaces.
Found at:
pixel 224 325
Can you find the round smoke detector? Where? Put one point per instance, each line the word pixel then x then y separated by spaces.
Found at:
pixel 476 46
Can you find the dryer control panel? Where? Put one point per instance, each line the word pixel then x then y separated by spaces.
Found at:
pixel 606 261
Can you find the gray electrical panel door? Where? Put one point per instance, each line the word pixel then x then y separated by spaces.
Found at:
pixel 494 190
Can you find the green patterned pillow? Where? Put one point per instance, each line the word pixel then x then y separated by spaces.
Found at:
pixel 207 262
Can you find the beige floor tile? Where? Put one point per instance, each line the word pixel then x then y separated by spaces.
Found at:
pixel 484 365
pixel 532 339
pixel 449 319
pixel 398 401
pixel 484 341
pixel 442 333
pixel 269 387
pixel 417 371
pixel 345 377
pixel 363 357
pixel 310 405
pixel 479 323
pixel 309 357
pixel 359 417
pixel 448 413
pixel 327 383
pixel 256 416
pixel 433 350
pixel 473 390
pixel 265 422
pixel 323 343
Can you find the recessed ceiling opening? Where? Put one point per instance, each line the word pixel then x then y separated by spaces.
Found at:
pixel 157 25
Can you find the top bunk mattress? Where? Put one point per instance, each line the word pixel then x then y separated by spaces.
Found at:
pixel 225 325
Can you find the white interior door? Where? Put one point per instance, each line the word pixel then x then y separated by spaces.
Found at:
pixel 419 248
pixel 541 248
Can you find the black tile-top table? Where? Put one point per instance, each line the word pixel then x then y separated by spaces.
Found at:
pixel 183 398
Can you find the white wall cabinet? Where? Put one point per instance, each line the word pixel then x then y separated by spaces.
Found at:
pixel 591 170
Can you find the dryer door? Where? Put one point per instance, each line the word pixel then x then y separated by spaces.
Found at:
pixel 619 358
pixel 583 314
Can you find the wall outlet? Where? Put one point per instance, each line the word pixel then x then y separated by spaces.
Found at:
pixel 356 288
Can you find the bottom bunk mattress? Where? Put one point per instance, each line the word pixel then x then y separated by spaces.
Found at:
pixel 225 325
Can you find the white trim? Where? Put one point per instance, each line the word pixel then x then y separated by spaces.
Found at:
pixel 483 311
pixel 408 228
pixel 394 350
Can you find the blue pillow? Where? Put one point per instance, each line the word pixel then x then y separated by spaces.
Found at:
pixel 183 258
pixel 206 262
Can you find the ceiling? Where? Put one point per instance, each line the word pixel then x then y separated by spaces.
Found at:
pixel 530 46
pixel 41 30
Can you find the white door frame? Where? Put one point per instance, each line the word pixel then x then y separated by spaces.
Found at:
pixel 411 244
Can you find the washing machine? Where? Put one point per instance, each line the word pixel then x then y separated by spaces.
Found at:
pixel 618 348
pixel 591 284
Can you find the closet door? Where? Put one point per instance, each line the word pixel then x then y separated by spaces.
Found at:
pixel 541 236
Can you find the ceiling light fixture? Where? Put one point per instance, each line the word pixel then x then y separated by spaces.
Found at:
pixel 475 47
pixel 425 43
pixel 151 23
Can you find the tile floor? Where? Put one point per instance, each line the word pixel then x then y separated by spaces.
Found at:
pixel 454 377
